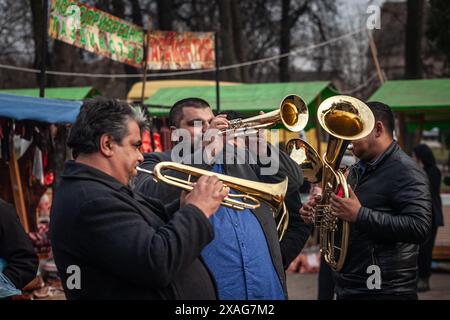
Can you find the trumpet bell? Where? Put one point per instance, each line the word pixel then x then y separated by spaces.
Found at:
pixel 294 113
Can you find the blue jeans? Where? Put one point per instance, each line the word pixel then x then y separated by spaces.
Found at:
pixel 7 288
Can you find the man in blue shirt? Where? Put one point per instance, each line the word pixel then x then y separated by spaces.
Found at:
pixel 245 257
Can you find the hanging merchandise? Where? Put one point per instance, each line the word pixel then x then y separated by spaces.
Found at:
pixel 6 130
pixel 146 143
pixel 49 178
pixel 165 136
pixel 38 168
pixel 1 138
pixel 21 145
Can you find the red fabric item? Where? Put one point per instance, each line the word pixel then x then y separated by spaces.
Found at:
pixel 165 138
pixel 49 177
pixel 44 159
pixel 340 192
pixel 147 144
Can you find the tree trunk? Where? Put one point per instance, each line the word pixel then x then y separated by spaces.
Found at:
pixel 227 44
pixel 64 57
pixel 413 44
pixel 37 21
pixel 240 41
pixel 136 16
pixel 285 40
pixel 165 14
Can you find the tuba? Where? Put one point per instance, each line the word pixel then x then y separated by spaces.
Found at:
pixel 250 196
pixel 345 119
pixel 292 113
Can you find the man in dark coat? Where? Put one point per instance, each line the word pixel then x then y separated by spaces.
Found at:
pixel 111 243
pixel 246 257
pixel 18 260
pixel 389 210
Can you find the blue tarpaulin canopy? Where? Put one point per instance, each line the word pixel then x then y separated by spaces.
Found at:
pixel 39 109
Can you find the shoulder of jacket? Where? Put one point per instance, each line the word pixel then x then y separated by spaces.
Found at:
pixel 158 156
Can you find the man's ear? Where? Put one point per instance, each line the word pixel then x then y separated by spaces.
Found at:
pixel 106 143
pixel 379 129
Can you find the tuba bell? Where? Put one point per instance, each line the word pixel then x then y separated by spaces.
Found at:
pixel 250 196
pixel 345 119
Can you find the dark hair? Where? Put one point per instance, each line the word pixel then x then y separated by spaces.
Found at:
pixel 231 115
pixel 176 111
pixel 383 113
pixel 100 116
pixel 425 155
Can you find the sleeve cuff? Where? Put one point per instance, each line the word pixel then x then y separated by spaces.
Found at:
pixel 200 215
pixel 361 218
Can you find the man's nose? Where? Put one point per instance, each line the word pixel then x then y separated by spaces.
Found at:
pixel 140 157
pixel 205 126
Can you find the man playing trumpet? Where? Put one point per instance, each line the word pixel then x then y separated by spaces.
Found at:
pixel 110 242
pixel 246 258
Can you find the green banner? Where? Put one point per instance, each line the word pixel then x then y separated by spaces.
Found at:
pixel 96 31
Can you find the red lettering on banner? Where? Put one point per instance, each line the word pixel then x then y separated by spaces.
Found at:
pixel 154 53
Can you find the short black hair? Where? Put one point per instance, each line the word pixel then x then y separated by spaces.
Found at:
pixel 231 115
pixel 425 155
pixel 176 111
pixel 382 112
pixel 100 116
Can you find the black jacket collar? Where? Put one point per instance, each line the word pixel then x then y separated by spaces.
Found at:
pixel 75 170
pixel 386 154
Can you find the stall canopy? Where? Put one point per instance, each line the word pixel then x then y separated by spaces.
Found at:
pixel 151 87
pixel 65 93
pixel 38 109
pixel 425 101
pixel 246 98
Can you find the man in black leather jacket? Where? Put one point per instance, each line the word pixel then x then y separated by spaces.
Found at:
pixel 390 214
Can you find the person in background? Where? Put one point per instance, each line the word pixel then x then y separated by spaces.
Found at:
pixel 423 155
pixel 18 260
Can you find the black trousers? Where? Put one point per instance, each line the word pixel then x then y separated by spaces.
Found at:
pixel 381 297
pixel 426 254
pixel 326 282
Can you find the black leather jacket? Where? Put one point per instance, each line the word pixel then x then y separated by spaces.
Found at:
pixel 394 219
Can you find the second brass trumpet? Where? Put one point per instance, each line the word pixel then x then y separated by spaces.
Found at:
pixel 292 113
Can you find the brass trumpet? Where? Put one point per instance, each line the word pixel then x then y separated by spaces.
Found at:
pixel 292 113
pixel 252 192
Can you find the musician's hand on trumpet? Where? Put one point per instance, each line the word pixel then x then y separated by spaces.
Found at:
pixel 307 211
pixel 207 195
pixel 212 140
pixel 219 122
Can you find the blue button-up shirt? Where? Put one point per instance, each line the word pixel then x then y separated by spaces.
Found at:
pixel 239 257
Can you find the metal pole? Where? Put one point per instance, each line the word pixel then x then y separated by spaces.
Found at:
pixel 373 50
pixel 144 75
pixel 216 49
pixel 43 48
pixel 144 81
